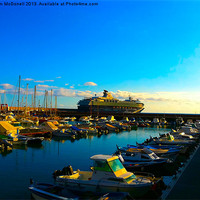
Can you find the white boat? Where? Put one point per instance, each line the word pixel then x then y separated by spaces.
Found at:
pixel 108 175
pixel 145 157
pixel 189 130
pixel 169 139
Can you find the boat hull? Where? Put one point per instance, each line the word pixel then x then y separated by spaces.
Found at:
pixel 102 187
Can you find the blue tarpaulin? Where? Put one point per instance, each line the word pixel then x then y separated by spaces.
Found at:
pixel 75 128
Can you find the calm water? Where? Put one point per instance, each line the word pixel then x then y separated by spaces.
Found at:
pixel 17 167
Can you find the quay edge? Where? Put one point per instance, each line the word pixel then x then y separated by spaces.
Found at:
pixel 168 116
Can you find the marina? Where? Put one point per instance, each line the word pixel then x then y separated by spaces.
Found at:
pixel 39 160
pixel 100 101
pixel 92 156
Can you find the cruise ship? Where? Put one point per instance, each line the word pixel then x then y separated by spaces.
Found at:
pixel 108 104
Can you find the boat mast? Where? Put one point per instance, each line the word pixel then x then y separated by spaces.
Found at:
pixel 26 98
pixel 34 103
pixel 91 107
pixel 55 104
pixel 4 97
pixel 0 102
pixel 46 101
pixel 19 93
pixel 51 101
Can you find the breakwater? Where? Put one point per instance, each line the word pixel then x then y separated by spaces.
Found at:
pixel 150 116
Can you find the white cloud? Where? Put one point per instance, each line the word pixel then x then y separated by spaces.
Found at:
pixel 66 83
pixel 49 80
pixel 39 81
pixel 90 84
pixel 28 79
pixel 65 92
pixel 7 86
pixel 84 94
pixel 2 91
pixel 59 77
pixel 46 86
pixel 71 86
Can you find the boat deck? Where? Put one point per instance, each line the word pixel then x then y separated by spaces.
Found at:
pixel 187 185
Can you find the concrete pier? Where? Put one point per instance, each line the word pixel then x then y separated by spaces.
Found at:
pixel 187 183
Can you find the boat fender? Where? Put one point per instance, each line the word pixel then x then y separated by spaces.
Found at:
pixel 120 157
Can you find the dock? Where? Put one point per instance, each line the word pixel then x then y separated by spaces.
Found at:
pixel 143 115
pixel 186 183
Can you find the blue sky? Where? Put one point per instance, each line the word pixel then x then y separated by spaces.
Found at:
pixel 147 49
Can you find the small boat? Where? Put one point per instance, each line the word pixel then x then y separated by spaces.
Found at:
pixel 156 150
pixel 79 131
pixel 189 130
pixel 108 175
pixel 16 139
pixel 143 158
pixel 34 131
pixel 178 135
pixel 5 145
pixel 169 140
pixel 65 133
pixel 44 191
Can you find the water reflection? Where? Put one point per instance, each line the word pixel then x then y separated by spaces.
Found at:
pixel 39 162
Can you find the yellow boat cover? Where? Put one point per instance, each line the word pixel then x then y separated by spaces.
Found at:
pixel 6 128
pixel 51 126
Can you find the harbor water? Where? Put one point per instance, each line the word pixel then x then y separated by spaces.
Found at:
pixel 39 162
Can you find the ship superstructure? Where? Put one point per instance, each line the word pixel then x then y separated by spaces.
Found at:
pixel 107 103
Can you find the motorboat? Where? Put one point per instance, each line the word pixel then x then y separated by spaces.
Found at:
pixel 142 158
pixel 145 160
pixel 157 150
pixel 80 132
pixel 169 140
pixel 34 131
pixel 65 133
pixel 107 175
pixel 189 130
pixel 178 135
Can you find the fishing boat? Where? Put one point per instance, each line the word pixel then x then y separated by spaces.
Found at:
pixel 108 175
